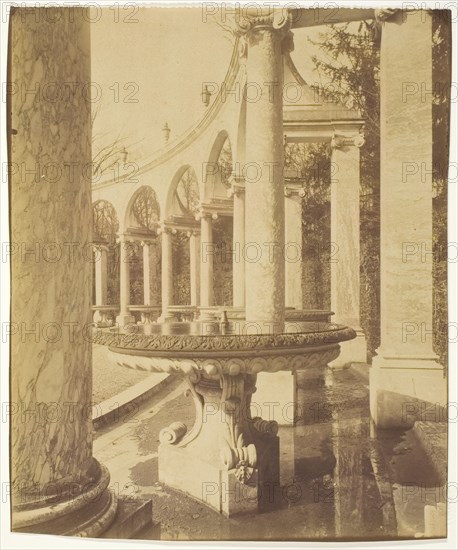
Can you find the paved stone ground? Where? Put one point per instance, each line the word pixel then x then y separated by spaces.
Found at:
pixel 109 378
pixel 349 481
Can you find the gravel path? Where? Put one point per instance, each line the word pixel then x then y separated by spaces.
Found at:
pixel 108 378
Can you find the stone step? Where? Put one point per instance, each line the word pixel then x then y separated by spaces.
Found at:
pixel 132 516
pixel 124 405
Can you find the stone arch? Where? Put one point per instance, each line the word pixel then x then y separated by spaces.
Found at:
pixel 143 210
pixel 105 222
pixel 219 167
pixel 184 195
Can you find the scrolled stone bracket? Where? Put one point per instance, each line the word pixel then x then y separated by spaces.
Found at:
pixel 173 433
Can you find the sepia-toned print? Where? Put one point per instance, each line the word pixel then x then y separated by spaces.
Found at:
pixel 228 250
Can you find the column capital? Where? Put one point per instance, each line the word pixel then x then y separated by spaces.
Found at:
pixel 339 141
pixel 384 14
pixel 122 238
pixel 268 18
pixel 237 187
pixel 146 242
pixel 294 190
pixel 164 227
pixel 192 233
pixel 206 213
pixel 100 247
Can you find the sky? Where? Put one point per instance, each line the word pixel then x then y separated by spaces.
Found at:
pixel 148 67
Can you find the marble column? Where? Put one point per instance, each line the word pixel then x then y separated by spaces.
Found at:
pixel 345 264
pixel 166 273
pixel 124 318
pixel 293 245
pixel 146 273
pixel 101 280
pixel 194 261
pixel 58 487
pixel 237 191
pixel 406 374
pixel 265 219
pixel 206 264
pixel 101 276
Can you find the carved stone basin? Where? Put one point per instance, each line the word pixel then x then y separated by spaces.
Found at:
pixel 229 459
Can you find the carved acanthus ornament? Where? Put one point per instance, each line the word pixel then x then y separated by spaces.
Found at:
pixel 234 434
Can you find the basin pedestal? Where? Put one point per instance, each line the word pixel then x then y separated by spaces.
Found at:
pixel 228 460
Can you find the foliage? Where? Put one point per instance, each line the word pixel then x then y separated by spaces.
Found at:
pixel 351 64
pixel 441 136
pixel 350 61
pixel 145 208
pixel 225 163
pixel 187 193
pixel 105 224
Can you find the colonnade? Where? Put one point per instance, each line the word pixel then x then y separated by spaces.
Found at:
pixel 344 258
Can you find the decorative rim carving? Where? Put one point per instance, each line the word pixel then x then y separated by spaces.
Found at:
pixel 229 365
pixel 222 343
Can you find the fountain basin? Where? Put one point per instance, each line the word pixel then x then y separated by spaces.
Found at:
pixel 229 459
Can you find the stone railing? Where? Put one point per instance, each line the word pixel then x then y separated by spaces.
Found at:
pixel 104 316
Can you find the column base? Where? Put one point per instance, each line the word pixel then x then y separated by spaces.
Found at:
pixel 209 314
pixel 352 351
pixel 275 397
pixel 125 319
pixel 402 389
pixel 75 509
pixel 166 317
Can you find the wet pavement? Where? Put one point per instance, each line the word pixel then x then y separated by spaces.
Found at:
pixel 340 478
